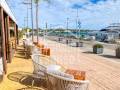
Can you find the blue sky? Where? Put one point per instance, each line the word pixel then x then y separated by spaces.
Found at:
pixel 93 14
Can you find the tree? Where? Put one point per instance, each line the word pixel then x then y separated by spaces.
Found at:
pixel 37 16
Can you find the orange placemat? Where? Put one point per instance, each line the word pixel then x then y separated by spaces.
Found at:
pixel 46 51
pixel 78 75
pixel 40 45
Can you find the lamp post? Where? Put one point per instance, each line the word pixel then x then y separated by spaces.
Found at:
pixel 79 25
pixel 67 30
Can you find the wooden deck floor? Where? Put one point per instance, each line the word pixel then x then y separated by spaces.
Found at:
pixel 19 74
pixel 103 73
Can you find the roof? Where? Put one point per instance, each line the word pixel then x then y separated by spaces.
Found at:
pixel 7 9
pixel 112 27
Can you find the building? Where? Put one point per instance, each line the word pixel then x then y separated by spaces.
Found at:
pixel 8 35
pixel 109 33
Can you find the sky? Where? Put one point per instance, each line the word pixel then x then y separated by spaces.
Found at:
pixel 93 14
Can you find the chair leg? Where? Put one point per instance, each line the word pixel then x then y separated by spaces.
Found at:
pixel 33 81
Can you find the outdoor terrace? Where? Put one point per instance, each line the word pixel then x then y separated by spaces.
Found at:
pixel 104 74
pixel 19 73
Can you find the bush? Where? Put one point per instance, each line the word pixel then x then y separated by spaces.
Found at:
pixel 98 48
pixel 118 52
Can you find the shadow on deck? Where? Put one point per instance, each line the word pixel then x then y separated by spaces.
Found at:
pixel 1 78
pixel 88 52
pixel 23 77
pixel 26 78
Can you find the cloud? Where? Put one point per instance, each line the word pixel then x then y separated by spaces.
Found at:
pixel 94 14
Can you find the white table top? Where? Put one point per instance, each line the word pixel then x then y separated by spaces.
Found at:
pixel 53 67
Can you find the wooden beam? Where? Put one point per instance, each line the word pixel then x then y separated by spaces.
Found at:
pixel 9 42
pixel 3 40
pixel 15 36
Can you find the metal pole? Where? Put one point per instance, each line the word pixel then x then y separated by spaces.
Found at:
pixel 25 27
pixel 31 3
pixel 79 30
pixel 67 25
pixel 77 23
pixel 67 30
pixel 46 28
pixel 45 32
pixel 27 17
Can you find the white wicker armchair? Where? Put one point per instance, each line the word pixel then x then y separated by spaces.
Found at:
pixel 39 69
pixel 56 82
pixel 35 50
pixel 28 46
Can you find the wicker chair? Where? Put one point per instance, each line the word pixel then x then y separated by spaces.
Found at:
pixel 39 69
pixel 28 46
pixel 35 50
pixel 56 82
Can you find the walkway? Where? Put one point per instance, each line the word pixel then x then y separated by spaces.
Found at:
pixel 103 73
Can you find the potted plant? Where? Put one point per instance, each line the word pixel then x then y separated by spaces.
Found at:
pixel 118 52
pixel 98 48
pixel 80 42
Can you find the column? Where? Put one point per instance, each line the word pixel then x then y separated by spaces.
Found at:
pixel 3 40
pixel 9 42
pixel 15 36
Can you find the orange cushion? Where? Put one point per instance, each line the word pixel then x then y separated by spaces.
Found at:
pixel 40 45
pixel 78 75
pixel 46 51
pixel 35 43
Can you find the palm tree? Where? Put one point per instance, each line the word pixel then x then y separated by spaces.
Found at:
pixel 37 16
pixel 36 3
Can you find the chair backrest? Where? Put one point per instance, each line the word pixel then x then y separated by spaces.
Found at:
pixel 35 50
pixel 39 69
pixel 35 58
pixel 63 83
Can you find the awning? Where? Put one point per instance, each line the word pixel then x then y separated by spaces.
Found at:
pixel 7 9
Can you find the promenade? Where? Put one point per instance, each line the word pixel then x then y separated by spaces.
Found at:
pixel 103 72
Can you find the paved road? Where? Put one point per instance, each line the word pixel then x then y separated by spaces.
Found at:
pixel 109 49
